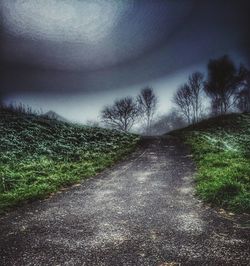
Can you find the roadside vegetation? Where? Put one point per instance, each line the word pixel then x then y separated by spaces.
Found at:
pixel 39 155
pixel 221 148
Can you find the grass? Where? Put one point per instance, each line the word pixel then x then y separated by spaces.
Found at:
pixel 38 155
pixel 221 148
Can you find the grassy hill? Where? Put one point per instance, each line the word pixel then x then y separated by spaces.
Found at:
pixel 221 148
pixel 39 155
pixel 54 116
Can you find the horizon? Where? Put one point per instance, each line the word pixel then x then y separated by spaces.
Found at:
pixel 79 71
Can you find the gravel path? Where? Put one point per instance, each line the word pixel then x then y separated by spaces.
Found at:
pixel 142 211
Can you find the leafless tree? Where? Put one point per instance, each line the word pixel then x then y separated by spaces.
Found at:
pixel 92 123
pixel 243 100
pixel 196 85
pixel 147 103
pixel 183 101
pixel 168 122
pixel 222 84
pixel 243 96
pixel 121 115
pixel 1 99
pixel 188 98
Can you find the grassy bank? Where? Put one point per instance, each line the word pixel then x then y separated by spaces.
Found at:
pixel 40 155
pixel 221 148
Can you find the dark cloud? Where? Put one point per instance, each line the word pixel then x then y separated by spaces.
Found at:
pixel 80 47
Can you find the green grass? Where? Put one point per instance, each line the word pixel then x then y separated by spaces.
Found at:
pixel 39 155
pixel 221 148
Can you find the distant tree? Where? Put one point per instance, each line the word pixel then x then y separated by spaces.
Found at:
pixel 21 109
pixel 1 99
pixel 216 106
pixel 243 96
pixel 188 98
pixel 92 123
pixel 176 120
pixel 168 122
pixel 147 103
pixel 243 100
pixel 222 84
pixel 121 115
pixel 183 101
pixel 196 86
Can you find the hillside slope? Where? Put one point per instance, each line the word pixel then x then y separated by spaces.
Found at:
pixel 39 155
pixel 221 148
pixel 54 116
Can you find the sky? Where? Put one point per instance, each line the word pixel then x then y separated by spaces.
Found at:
pixel 75 56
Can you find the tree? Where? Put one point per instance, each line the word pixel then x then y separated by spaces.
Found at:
pixel 196 86
pixel 243 96
pixel 188 98
pixel 147 102
pixel 243 100
pixel 183 101
pixel 92 123
pixel 168 122
pixel 1 99
pixel 121 115
pixel 222 84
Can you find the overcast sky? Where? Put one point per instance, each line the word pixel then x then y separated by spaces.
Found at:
pixel 74 56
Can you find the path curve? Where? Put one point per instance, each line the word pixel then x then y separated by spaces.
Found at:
pixel 142 211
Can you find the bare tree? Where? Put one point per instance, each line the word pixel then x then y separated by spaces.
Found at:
pixel 243 100
pixel 1 99
pixel 196 86
pixel 168 122
pixel 188 98
pixel 243 96
pixel 222 84
pixel 183 101
pixel 147 103
pixel 121 115
pixel 92 123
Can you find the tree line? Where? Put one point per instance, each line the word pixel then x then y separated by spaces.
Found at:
pixel 226 88
pixel 125 112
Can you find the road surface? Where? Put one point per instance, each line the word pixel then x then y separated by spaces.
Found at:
pixel 141 211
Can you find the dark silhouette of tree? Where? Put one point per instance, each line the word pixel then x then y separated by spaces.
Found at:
pixel 121 115
pixel 168 122
pixel 216 106
pixel 92 123
pixel 222 83
pixel 188 98
pixel 243 96
pixel 243 100
pixel 1 99
pixel 196 85
pixel 147 103
pixel 183 101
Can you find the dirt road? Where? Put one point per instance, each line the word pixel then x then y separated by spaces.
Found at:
pixel 142 211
